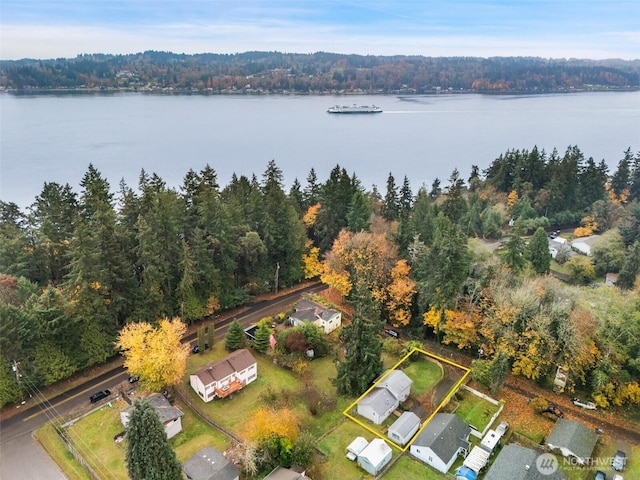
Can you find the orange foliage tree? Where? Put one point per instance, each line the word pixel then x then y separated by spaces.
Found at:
pixel 400 291
pixel 267 423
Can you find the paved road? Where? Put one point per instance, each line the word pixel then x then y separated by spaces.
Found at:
pixel 22 457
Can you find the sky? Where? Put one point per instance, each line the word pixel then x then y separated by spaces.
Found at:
pixel 595 29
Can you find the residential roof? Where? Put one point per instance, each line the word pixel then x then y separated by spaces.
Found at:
pixel 444 434
pixel 519 463
pixel 210 464
pixel 281 473
pixel 477 459
pixel 162 406
pixel 376 451
pixel 309 311
pixel 405 423
pixel 220 369
pixel 396 382
pixel 574 436
pixel 358 444
pixel 380 400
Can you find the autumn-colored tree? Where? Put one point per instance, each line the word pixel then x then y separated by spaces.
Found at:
pixel 309 218
pixel 400 294
pixel 312 264
pixel 154 353
pixel 512 199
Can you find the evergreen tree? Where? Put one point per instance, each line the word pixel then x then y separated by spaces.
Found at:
pixel 363 348
pixel 211 331
pixel 630 267
pixel 296 198
pixel 149 455
pixel 513 251
pixel 634 187
pixel 405 201
pixel 262 335
pixel 311 193
pixel 390 204
pixel 454 205
pixel 234 340
pixel 359 214
pixel 630 225
pixel 621 179
pixel 538 251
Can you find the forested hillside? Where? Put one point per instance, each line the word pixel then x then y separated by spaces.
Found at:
pixel 273 72
pixel 78 266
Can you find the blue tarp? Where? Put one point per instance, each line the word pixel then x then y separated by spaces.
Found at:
pixel 465 473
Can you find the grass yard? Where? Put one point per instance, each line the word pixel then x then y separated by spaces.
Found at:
pixel 425 375
pixel 474 410
pixel 406 467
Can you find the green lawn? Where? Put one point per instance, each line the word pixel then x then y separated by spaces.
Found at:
pixel 425 375
pixel 408 467
pixel 51 442
pixel 334 447
pixel 474 410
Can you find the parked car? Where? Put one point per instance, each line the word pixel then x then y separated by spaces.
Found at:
pixel 619 461
pixel 196 348
pixel 133 379
pixel 96 397
pixel 617 477
pixel 391 333
pixel 600 475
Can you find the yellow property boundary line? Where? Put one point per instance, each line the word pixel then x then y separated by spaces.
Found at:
pixel 442 403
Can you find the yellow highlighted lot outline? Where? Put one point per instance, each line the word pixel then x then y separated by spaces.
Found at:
pixel 442 403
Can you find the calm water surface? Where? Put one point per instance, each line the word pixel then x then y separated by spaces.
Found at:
pixel 54 138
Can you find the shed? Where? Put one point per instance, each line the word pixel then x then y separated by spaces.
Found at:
pixel 355 447
pixel 375 456
pixel 404 428
pixel 491 440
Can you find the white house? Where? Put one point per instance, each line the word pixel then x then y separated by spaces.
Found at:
pixel 375 456
pixel 444 438
pixel 393 388
pixel 404 428
pixel 223 377
pixel 572 439
pixel 210 464
pixel 377 405
pixel 170 416
pixel 307 311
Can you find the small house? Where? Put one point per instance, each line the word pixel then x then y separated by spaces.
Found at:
pixel 355 447
pixel 221 378
pixel 444 438
pixel 210 464
pixel 398 383
pixel 306 311
pixel 572 439
pixel 404 428
pixel 377 405
pixel 375 456
pixel 170 416
pixel 519 463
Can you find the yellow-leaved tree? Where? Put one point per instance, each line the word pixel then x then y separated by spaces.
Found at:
pixel 312 264
pixel 268 423
pixel 154 353
pixel 400 293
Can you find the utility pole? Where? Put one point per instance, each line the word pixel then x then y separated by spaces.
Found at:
pixel 16 369
pixel 277 272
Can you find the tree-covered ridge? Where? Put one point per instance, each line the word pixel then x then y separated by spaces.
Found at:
pixel 275 72
pixel 77 267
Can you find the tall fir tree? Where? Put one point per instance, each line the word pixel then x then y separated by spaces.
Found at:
pixel 234 340
pixel 149 455
pixel 363 348
pixel 538 251
pixel 390 203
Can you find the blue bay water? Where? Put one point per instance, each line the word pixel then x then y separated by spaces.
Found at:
pixel 55 138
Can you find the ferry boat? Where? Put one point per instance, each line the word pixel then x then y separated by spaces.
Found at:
pixel 354 109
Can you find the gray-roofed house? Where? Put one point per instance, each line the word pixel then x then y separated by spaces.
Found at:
pixel 444 438
pixel 281 473
pixel 404 428
pixel 210 464
pixel 223 377
pixel 170 416
pixel 572 439
pixel 307 311
pixel 398 383
pixel 375 456
pixel 519 463
pixel 378 404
